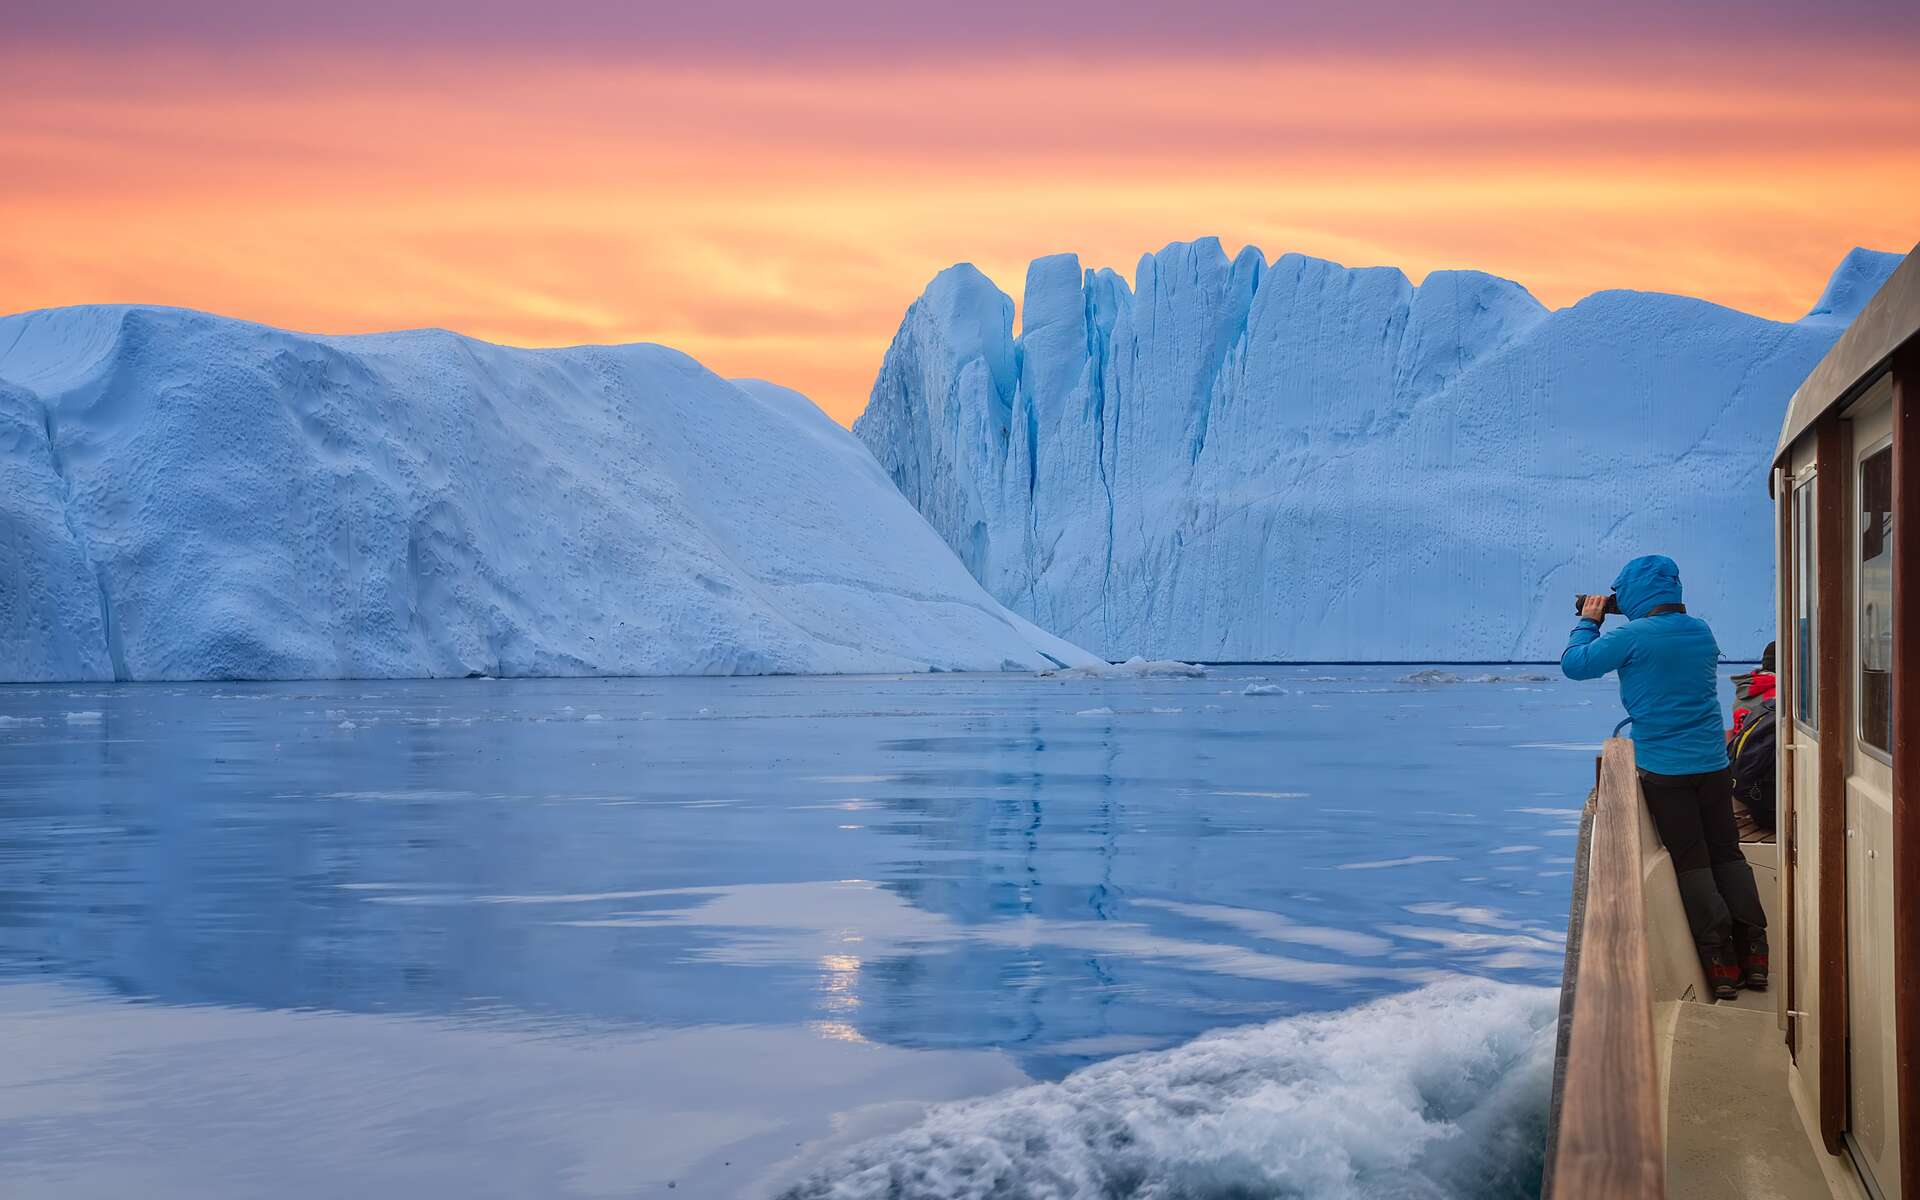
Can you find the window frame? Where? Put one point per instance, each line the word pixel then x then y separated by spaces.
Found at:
pixel 1879 446
pixel 1804 500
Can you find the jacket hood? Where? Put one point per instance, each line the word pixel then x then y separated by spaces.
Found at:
pixel 1647 582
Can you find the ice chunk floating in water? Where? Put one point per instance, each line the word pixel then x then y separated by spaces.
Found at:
pixel 1241 461
pixel 1134 668
pixel 187 497
pixel 1428 1095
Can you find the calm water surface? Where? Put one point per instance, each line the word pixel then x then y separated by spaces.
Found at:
pixel 599 937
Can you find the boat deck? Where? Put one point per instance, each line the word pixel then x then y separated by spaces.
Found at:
pixel 1732 1132
pixel 1696 1103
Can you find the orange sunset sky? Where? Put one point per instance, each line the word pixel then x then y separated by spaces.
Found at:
pixel 768 188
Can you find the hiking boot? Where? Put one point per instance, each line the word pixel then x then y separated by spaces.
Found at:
pixel 1723 972
pixel 1753 966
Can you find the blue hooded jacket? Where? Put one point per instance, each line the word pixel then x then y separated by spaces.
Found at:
pixel 1669 671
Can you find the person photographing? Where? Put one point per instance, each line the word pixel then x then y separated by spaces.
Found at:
pixel 1669 663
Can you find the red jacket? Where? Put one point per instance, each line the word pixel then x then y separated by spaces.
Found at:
pixel 1761 685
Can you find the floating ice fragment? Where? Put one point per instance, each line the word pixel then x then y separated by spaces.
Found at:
pixel 1411 860
pixel 1134 668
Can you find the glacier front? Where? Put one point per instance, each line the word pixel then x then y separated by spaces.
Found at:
pixel 184 496
pixel 1241 461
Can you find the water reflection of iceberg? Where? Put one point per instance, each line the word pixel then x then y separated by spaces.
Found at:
pixel 952 875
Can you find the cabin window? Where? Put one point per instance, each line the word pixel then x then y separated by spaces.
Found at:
pixel 1876 601
pixel 1806 586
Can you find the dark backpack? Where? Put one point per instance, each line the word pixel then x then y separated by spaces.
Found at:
pixel 1752 753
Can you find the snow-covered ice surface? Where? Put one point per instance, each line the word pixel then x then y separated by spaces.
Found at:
pixel 1233 460
pixel 184 496
pixel 737 934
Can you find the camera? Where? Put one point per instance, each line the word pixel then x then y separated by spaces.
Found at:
pixel 1613 603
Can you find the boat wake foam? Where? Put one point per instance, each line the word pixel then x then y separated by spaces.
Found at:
pixel 1429 1095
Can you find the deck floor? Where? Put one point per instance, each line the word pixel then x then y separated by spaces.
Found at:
pixel 1732 1132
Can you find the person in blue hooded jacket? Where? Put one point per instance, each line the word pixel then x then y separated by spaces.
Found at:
pixel 1669 678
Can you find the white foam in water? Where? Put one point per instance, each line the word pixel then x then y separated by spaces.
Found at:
pixel 1428 1095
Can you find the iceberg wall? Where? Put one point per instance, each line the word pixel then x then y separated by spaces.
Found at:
pixel 184 496
pixel 1241 461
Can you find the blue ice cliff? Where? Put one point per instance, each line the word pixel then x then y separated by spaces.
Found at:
pixel 1233 460
pixel 184 496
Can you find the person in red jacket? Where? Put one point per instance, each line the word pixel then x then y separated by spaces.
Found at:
pixel 1751 690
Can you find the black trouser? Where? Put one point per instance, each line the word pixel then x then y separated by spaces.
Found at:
pixel 1694 814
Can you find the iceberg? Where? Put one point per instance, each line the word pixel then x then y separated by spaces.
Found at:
pixel 186 496
pixel 1241 461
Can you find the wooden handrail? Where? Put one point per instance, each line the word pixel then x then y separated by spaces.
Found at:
pixel 1607 1142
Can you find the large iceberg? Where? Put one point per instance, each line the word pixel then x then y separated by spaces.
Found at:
pixel 184 496
pixel 1241 461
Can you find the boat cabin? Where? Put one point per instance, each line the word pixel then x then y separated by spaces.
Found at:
pixel 1811 1089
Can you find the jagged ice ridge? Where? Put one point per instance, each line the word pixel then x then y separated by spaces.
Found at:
pixel 1241 461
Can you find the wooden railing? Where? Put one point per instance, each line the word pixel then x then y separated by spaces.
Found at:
pixel 1606 1136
